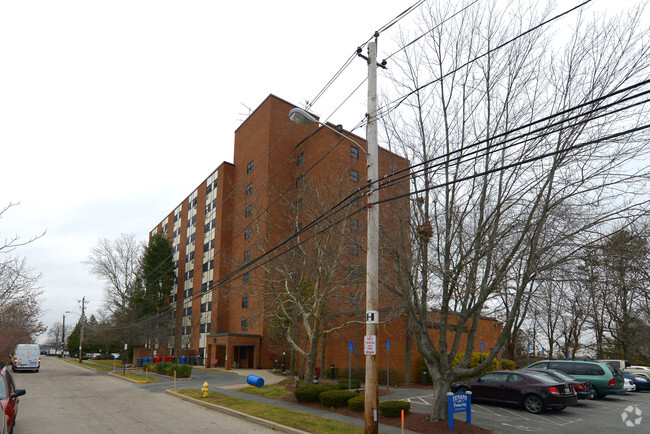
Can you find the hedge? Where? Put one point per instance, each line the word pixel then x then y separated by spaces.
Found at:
pixel 394 408
pixel 353 384
pixel 168 368
pixel 336 398
pixel 357 403
pixel 310 392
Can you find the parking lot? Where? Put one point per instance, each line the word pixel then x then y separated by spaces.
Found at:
pixel 614 413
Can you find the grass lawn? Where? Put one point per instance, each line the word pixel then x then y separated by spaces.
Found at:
pixel 138 378
pixel 271 391
pixel 109 363
pixel 295 419
pixel 91 365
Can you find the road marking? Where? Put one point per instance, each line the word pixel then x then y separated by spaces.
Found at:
pixel 522 428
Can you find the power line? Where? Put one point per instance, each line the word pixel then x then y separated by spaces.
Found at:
pixel 397 102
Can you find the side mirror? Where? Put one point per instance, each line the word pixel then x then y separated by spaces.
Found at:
pixel 479 380
pixel 18 392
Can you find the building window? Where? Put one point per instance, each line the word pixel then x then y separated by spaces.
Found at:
pixel 298 205
pixel 249 210
pixel 244 302
pixel 249 167
pixel 298 227
pixel 354 175
pixel 354 152
pixel 244 325
pixel 299 181
pixel 247 255
pixel 300 159
pixel 202 328
pixel 246 277
pixel 249 189
pixel 354 224
pixel 354 250
pixel 247 233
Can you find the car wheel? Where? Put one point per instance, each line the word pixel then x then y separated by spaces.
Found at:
pixel 596 394
pixel 533 404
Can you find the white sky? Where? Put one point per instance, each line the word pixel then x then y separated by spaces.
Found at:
pixel 111 112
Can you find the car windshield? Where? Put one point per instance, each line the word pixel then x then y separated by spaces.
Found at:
pixel 3 389
pixel 543 378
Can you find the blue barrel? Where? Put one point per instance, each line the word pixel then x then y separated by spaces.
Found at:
pixel 254 380
pixel 182 360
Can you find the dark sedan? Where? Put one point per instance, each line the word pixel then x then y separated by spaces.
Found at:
pixel 582 388
pixel 640 381
pixel 535 392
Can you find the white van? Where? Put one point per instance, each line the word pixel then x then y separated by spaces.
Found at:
pixel 26 357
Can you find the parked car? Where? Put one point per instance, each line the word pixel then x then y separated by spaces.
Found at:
pixel 640 370
pixel 582 388
pixel 26 357
pixel 605 379
pixel 628 385
pixel 9 398
pixel 620 364
pixel 641 382
pixel 534 391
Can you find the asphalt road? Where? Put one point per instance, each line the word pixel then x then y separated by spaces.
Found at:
pixel 64 398
pixel 614 413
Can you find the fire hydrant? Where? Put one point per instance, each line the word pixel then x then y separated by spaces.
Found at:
pixel 205 389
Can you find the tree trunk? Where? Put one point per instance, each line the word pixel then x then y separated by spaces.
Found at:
pixel 439 409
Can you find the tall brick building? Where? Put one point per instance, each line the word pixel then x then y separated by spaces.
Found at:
pixel 283 177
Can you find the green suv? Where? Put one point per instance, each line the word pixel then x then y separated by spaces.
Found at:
pixel 604 378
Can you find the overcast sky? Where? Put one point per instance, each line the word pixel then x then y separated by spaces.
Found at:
pixel 112 112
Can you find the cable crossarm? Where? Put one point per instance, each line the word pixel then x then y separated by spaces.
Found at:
pixel 397 102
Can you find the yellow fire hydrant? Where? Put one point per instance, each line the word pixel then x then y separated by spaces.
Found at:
pixel 205 389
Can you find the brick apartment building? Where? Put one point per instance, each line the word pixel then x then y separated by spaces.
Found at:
pixel 282 176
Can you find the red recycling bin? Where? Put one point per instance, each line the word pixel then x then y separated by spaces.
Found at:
pixel 169 359
pixel 157 359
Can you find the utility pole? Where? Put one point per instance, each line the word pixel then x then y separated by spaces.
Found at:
pixel 81 337
pixel 371 397
pixel 63 337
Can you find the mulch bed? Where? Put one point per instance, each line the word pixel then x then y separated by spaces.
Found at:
pixel 417 422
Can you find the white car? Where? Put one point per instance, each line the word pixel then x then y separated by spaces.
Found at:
pixel 629 385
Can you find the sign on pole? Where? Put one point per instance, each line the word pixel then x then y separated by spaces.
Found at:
pixel 387 364
pixel 370 345
pixel 372 317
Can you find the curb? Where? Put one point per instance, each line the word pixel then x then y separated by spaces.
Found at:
pixel 267 423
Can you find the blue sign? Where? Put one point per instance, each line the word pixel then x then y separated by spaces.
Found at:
pixel 481 346
pixel 528 348
pixel 457 403
pixel 388 345
pixel 350 346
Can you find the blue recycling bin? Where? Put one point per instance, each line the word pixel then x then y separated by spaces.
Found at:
pixel 182 360
pixel 255 381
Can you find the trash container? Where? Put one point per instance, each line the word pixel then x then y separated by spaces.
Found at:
pixel 254 380
pixel 138 362
pixel 157 359
pixel 182 360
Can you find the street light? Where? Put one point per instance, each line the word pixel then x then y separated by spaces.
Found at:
pixel 300 116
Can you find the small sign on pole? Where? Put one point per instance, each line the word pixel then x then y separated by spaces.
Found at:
pixel 457 403
pixel 370 345
pixel 350 350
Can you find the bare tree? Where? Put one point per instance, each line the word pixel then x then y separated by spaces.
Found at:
pixel 518 162
pixel 20 296
pixel 318 273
